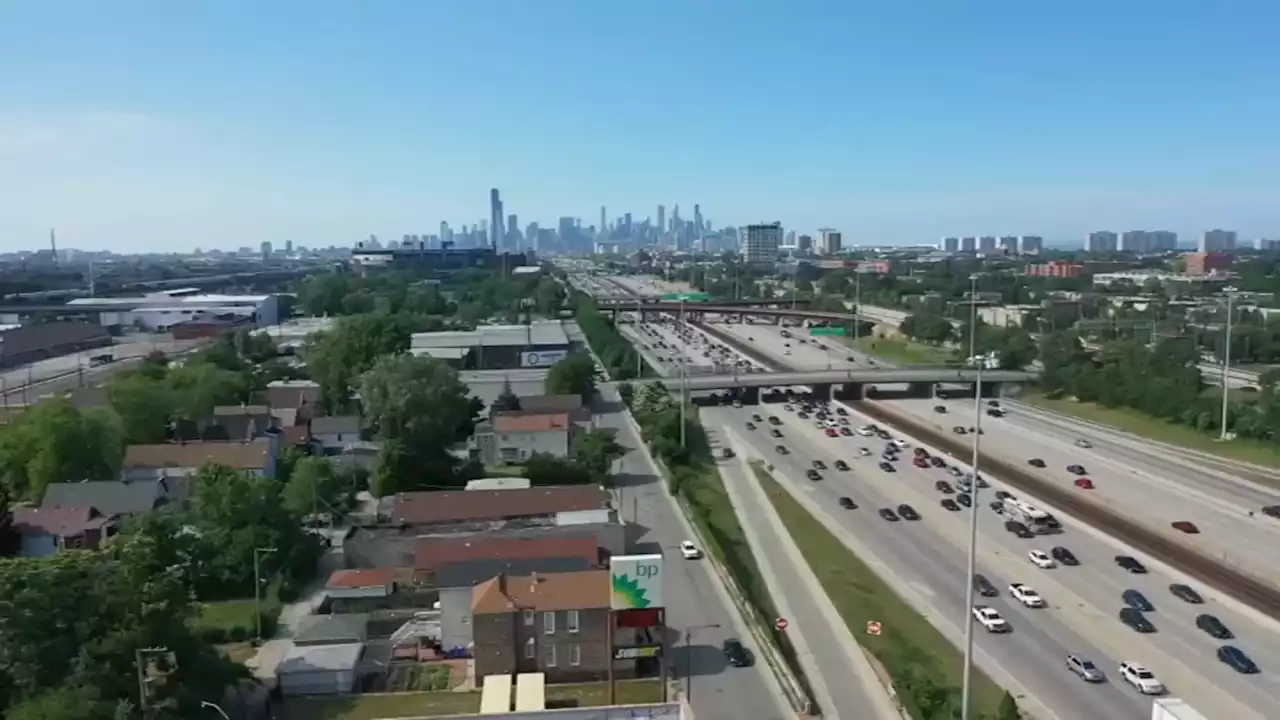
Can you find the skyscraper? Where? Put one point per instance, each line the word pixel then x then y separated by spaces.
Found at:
pixel 1031 244
pixel 697 219
pixel 495 219
pixel 1101 241
pixel 762 242
pixel 604 224
pixel 1218 241
pixel 662 218
pixel 513 233
pixel 951 244
pixel 830 241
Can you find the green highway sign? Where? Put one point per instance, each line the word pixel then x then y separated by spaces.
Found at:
pixel 820 331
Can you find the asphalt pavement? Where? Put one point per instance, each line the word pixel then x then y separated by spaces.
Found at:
pixel 28 384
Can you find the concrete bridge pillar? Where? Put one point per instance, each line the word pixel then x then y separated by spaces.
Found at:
pixel 989 390
pixel 850 392
pixel 922 390
pixel 749 395
pixel 823 392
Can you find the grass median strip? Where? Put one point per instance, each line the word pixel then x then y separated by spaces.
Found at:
pixel 902 352
pixel 926 668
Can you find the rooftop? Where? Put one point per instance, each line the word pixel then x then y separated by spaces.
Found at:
pixel 530 422
pixel 332 629
pixel 376 577
pixel 313 658
pixel 433 552
pixel 463 505
pixel 59 521
pixel 110 497
pixel 236 455
pixel 551 592
pixel 470 574
pixel 541 332
pixel 335 424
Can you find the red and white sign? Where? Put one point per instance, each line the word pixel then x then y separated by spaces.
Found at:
pixel 780 623
pixel 873 627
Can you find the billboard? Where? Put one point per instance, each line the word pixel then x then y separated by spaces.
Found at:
pixel 637 581
pixel 542 358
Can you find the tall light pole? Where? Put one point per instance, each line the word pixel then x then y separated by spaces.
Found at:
pixel 971 565
pixel 216 708
pixel 257 585
pixel 684 380
pixel 1226 363
pixel 857 303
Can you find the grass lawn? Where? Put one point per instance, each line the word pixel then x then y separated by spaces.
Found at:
pixel 861 596
pixel 902 352
pixel 228 613
pixel 1242 449
pixel 371 707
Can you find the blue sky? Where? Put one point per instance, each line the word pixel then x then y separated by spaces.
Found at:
pixel 145 125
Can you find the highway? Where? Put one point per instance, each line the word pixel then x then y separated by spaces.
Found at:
pixel 1086 603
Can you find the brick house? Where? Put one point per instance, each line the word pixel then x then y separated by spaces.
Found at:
pixel 488 509
pixel 48 530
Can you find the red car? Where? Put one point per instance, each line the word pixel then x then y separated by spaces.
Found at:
pixel 920 462
pixel 1186 527
pixel 1084 483
pixel 831 432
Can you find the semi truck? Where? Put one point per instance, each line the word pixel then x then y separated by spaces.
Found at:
pixel 1174 709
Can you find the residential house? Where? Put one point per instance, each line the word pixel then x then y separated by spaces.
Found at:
pixel 240 422
pixel 298 396
pixel 351 584
pixel 433 553
pixel 554 623
pixel 411 546
pixel 461 510
pixel 512 437
pixel 122 498
pixel 336 433
pixel 48 530
pixel 332 629
pixel 185 459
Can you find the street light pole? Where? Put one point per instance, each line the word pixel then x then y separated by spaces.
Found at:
pixel 1226 364
pixel 684 382
pixel 217 708
pixel 857 303
pixel 973 314
pixel 971 564
pixel 257 586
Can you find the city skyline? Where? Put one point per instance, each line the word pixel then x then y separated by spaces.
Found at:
pixel 143 125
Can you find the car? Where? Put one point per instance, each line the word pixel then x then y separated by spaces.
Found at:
pixel 955 471
pixel 1026 595
pixel 1064 556
pixel 1082 443
pixel 727 454
pixel 789 407
pixel 819 465
pixel 958 430
pixel 984 586
pixel 866 431
pixel 1137 601
pixel 1076 470
pixel 964 499
pixel 920 462
pixel 774 420
pixel 756 417
pixel 831 432
pixel 813 474
pixel 1084 483
pixel 949 504
pixel 847 503
pixel 846 432
pixel 689 550
pixel 937 462
pixel 842 465
pixel 900 443
pixel 864 452
pixel 736 653
pixel 751 426
pixel 775 432
pixel 1130 564
pixel 920 453
pixel 943 486
pixel 1186 527
pixel 940 408
pixel 1036 462
pixel 996 506
pixel 1214 627
pixel 1234 658
pixel 886 466
pixel 842 412
pixel 1186 594
pixel 1136 620
pixel 990 619
pixel 1141 678
pixel 1271 511
pixel 1003 495
pixel 1041 559
pixel 1017 528
pixel 1085 669
pixel 889 514
pixel 907 512
pixel 781 450
pixel 802 415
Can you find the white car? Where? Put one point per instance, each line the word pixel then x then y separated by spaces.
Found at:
pixel 1141 678
pixel 1041 559
pixel 1026 595
pixel 900 443
pixel 689 550
pixel 863 452
pixel 990 619
pixel 865 431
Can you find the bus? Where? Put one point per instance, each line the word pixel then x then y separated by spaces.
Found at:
pixel 1036 520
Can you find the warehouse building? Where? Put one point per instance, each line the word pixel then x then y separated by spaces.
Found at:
pixel 25 344
pixel 539 344
pixel 160 311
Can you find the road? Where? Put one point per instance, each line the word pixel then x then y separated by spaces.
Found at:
pixel 1155 487
pixel 1085 599
pixel 27 384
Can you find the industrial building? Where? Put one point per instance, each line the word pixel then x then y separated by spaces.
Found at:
pixel 25 344
pixel 540 344
pixel 420 257
pixel 161 311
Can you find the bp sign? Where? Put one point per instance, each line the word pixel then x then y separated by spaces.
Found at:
pixel 541 358
pixel 637 581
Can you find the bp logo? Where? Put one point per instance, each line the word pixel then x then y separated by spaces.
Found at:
pixel 628 593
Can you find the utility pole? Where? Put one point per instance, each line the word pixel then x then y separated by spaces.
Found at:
pixel 971 565
pixel 1226 363
pixel 857 303
pixel 684 383
pixel 257 585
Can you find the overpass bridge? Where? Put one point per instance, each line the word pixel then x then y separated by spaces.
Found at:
pixel 848 383
pixel 695 311
pixel 629 302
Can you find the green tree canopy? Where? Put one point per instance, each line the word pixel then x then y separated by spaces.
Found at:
pixel 574 375
pixel 339 356
pixel 56 442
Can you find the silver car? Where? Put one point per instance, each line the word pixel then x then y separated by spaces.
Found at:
pixel 1084 668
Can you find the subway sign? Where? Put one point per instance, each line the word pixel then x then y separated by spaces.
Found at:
pixel 636 652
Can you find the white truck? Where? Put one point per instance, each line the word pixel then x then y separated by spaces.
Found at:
pixel 1174 709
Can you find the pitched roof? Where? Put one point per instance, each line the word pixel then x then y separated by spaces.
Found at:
pixel 530 422
pixel 292 395
pixel 370 578
pixel 432 552
pixel 587 590
pixel 461 505
pixel 335 424
pixel 110 497
pixel 235 455
pixel 238 410
pixel 470 574
pixel 59 521
pixel 550 403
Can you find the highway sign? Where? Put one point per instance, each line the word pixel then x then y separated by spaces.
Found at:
pixel 820 331
pixel 873 627
pixel 781 623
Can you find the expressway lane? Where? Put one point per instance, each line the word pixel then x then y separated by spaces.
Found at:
pixel 1153 490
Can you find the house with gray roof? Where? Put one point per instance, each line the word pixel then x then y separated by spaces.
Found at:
pixel 121 498
pixel 337 432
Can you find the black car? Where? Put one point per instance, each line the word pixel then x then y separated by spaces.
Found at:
pixel 1271 511
pixel 751 426
pixel 984 586
pixel 842 465
pixel 996 506
pixel 887 467
pixel 949 504
pixel 1130 564
pixel 1064 556
pixel 782 450
pixel 964 499
pixel 1137 601
pixel 773 420
pixel 737 654
pixel 943 486
pixel 1017 528
pixel 1214 627
pixel 841 411
pixel 846 432
pixel 819 465
pixel 776 432
pixel 1186 593
pixel 1076 470
pixel 847 503
pixel 813 474
pixel 756 417
pixel 940 408
pixel 1235 659
pixel 1003 494
pixel 937 462
pixel 958 430
pixel 1036 462
pixel 889 514
pixel 802 415
pixel 907 512
pixel 1136 620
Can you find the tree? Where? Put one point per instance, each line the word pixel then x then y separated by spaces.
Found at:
pixel 1008 709
pixel 145 404
pixel 322 295
pixel 596 449
pixel 627 392
pixel 316 486
pixel 543 469
pixel 56 442
pixel 202 386
pixel 507 400
pixel 548 297
pixel 339 356
pixel 574 375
